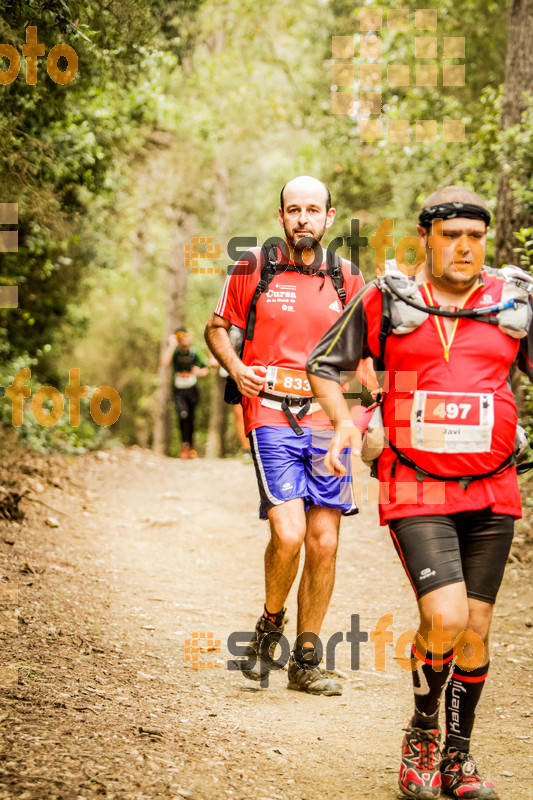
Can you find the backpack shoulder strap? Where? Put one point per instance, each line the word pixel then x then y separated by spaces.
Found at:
pixel 385 329
pixel 334 268
pixel 269 255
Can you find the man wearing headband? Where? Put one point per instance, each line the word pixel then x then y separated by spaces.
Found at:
pixel 187 366
pixel 448 484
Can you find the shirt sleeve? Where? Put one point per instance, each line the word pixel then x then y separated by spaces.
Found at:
pixel 199 360
pixel 236 297
pixel 341 349
pixel 524 358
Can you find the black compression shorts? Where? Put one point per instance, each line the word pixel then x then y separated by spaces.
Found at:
pixel 470 546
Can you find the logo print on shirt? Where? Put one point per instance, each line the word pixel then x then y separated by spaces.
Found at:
pixel 286 295
pixel 335 306
pixel 486 298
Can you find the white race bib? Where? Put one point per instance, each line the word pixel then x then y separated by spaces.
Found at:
pixel 185 381
pixel 283 381
pixel 452 422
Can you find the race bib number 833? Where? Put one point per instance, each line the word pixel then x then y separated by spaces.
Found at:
pixel 282 381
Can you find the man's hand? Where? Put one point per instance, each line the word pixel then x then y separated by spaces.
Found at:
pixel 346 435
pixel 250 380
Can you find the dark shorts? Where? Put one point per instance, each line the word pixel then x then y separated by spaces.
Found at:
pixel 186 401
pixel 470 546
pixel 288 466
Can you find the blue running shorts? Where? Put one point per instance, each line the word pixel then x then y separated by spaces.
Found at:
pixel 288 466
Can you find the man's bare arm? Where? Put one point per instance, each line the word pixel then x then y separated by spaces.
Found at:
pixel 330 396
pixel 250 380
pixel 366 375
pixel 217 337
pixel 170 346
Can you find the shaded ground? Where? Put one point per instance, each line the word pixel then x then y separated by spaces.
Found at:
pixel 149 550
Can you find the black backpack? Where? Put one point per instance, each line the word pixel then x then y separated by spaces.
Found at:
pixel 269 254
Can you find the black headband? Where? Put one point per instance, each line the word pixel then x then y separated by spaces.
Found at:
pixel 451 211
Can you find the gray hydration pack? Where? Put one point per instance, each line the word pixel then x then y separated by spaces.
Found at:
pixel 406 310
pixel 515 319
pixel 404 296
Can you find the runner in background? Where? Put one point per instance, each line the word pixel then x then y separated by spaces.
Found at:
pixel 288 433
pixel 236 337
pixel 448 484
pixel 187 366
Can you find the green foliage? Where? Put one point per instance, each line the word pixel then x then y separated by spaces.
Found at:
pixel 515 155
pixel 525 251
pixel 375 180
pixel 203 111
pixel 64 146
pixel 61 437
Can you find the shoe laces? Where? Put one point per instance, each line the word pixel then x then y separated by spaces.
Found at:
pixel 427 746
pixel 465 763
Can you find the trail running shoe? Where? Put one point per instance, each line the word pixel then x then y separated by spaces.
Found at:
pixel 460 777
pixel 253 666
pixel 419 772
pixel 312 679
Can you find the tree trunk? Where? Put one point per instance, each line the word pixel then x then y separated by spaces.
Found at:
pixel 510 216
pixel 139 234
pixel 218 419
pixel 178 274
pixel 218 413
pixel 518 79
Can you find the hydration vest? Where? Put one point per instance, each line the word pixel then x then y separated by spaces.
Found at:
pixel 404 310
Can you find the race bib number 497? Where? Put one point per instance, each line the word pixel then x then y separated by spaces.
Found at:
pixel 448 422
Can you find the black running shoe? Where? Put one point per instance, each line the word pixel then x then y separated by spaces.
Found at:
pixel 460 777
pixel 311 678
pixel 419 771
pixel 267 635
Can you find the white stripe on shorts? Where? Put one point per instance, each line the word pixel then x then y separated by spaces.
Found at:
pixel 267 491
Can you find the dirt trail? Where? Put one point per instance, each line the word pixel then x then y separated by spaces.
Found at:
pixel 149 550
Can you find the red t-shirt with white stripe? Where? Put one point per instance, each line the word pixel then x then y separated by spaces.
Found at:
pixel 292 316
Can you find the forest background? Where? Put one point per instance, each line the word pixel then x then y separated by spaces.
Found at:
pixel 184 120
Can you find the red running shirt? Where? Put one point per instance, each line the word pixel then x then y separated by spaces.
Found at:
pixel 467 393
pixel 292 316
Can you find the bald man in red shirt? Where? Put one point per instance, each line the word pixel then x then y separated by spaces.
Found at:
pixel 289 440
